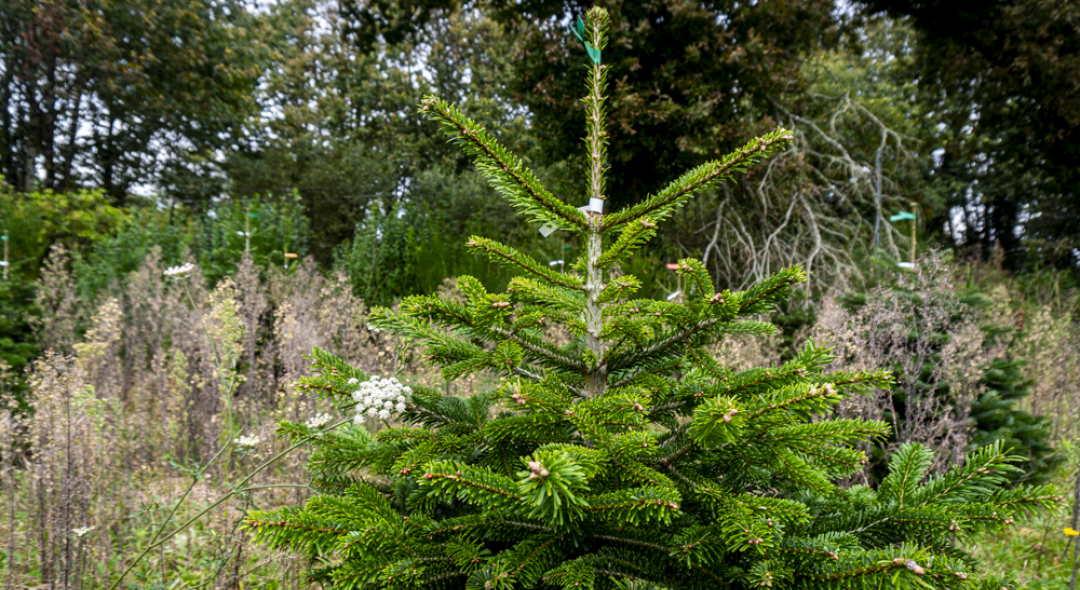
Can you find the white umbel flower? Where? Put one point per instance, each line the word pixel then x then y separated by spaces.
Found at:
pixel 247 441
pixel 380 396
pixel 318 421
pixel 180 271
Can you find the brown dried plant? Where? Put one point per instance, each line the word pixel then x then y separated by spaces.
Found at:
pixel 56 326
pixel 930 339
pixel 1050 344
pixel 167 374
pixel 746 352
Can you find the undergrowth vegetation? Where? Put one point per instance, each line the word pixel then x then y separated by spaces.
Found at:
pixel 131 382
pixel 162 409
pixel 157 396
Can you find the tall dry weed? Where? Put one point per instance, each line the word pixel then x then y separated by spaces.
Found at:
pixel 746 352
pixel 167 372
pixel 931 340
pixel 60 313
pixel 1050 345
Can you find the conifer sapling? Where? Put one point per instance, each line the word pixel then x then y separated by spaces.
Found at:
pixel 627 458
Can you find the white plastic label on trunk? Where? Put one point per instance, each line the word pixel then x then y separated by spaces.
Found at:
pixel 547 230
pixel 674 295
pixel 596 205
pixel 555 263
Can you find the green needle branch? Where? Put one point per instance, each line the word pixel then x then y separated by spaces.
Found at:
pixel 624 455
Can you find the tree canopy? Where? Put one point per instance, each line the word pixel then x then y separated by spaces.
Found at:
pixel 1001 77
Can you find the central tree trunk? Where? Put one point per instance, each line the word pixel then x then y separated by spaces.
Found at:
pixel 594 310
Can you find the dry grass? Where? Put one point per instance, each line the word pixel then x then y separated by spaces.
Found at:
pixel 167 373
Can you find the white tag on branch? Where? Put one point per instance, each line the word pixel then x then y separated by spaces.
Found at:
pixel 595 205
pixel 674 295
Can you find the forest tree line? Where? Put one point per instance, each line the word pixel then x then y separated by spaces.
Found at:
pixel 965 111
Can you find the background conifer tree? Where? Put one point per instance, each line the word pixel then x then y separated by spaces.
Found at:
pixel 627 458
pixel 997 416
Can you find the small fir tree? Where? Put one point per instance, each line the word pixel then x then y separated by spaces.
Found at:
pixel 997 415
pixel 627 458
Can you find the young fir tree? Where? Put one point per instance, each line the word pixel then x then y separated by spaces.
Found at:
pixel 996 415
pixel 628 458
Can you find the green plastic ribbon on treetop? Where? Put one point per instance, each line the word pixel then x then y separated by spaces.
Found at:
pixel 579 32
pixel 902 216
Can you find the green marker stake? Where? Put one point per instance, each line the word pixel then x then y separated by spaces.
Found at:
pixel 905 216
pixel 247 233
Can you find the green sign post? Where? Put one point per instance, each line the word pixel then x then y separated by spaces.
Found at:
pixel 903 216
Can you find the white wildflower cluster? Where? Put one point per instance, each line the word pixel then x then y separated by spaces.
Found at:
pixel 247 441
pixel 180 271
pixel 318 421
pixel 380 396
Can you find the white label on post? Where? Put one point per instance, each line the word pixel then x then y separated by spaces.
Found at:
pixel 555 263
pixel 3 262
pixel 547 230
pixel 596 205
pixel 674 295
